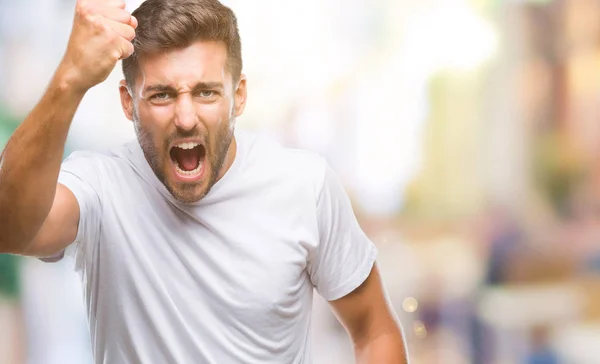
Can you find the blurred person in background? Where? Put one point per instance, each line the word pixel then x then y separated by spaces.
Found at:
pixel 194 242
pixel 542 351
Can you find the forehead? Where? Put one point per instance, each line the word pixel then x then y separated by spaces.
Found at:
pixel 202 61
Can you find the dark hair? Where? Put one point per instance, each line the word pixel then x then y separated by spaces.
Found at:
pixel 172 24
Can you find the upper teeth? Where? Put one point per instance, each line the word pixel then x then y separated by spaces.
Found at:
pixel 187 145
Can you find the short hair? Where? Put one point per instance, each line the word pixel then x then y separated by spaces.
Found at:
pixel 175 24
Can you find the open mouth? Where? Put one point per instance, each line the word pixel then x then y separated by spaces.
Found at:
pixel 188 159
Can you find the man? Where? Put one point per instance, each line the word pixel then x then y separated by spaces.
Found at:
pixel 196 244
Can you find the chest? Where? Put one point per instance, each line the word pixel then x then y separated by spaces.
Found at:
pixel 238 260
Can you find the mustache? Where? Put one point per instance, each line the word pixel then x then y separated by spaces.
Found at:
pixel 180 134
pixel 196 133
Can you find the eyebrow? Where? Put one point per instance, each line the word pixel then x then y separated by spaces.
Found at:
pixel 198 86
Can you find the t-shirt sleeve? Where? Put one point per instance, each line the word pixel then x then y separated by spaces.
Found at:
pixel 79 173
pixel 345 255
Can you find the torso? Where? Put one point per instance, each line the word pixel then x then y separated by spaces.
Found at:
pixel 223 281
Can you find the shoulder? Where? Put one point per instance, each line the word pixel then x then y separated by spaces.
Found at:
pixel 298 167
pixel 89 163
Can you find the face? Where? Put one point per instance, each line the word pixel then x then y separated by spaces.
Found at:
pixel 184 107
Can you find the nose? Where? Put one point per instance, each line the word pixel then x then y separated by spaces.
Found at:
pixel 186 117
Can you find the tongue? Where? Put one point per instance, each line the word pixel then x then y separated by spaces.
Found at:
pixel 187 159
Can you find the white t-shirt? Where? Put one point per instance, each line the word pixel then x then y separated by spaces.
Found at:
pixel 228 279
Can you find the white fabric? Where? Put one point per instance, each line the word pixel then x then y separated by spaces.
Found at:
pixel 226 280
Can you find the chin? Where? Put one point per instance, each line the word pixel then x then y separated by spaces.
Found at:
pixel 188 192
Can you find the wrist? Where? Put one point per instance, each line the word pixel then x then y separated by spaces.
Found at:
pixel 68 81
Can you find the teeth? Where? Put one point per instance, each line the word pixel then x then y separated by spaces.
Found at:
pixel 188 173
pixel 187 145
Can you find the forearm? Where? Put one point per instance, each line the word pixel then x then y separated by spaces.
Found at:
pixel 386 348
pixel 30 163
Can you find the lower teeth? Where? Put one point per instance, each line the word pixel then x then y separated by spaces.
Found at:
pixel 188 173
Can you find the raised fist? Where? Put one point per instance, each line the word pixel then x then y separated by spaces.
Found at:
pixel 101 36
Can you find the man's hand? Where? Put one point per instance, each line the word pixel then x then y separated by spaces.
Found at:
pixel 101 36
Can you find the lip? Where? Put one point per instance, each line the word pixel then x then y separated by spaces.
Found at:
pixel 183 178
pixel 186 140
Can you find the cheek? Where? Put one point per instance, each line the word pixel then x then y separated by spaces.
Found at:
pixel 217 112
pixel 156 117
pixel 153 123
pixel 214 114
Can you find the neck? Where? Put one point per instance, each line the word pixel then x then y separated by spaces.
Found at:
pixel 229 158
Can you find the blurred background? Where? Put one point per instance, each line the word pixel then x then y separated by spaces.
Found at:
pixel 466 133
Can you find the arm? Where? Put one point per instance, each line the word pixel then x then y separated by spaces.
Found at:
pixel 38 216
pixel 373 328
pixel 344 272
pixel 29 172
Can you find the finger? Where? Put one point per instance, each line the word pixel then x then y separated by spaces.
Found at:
pixel 126 48
pixel 126 31
pixel 112 13
pixel 133 22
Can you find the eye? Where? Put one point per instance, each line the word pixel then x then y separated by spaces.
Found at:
pixel 207 94
pixel 161 96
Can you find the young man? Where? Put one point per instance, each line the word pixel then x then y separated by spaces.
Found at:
pixel 195 244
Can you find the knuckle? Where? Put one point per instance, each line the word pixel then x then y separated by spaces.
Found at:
pixel 86 9
pixel 127 18
pixel 126 50
pixel 96 20
pixel 110 35
pixel 82 9
pixel 116 54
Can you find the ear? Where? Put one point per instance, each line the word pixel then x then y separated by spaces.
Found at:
pixel 126 100
pixel 240 96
